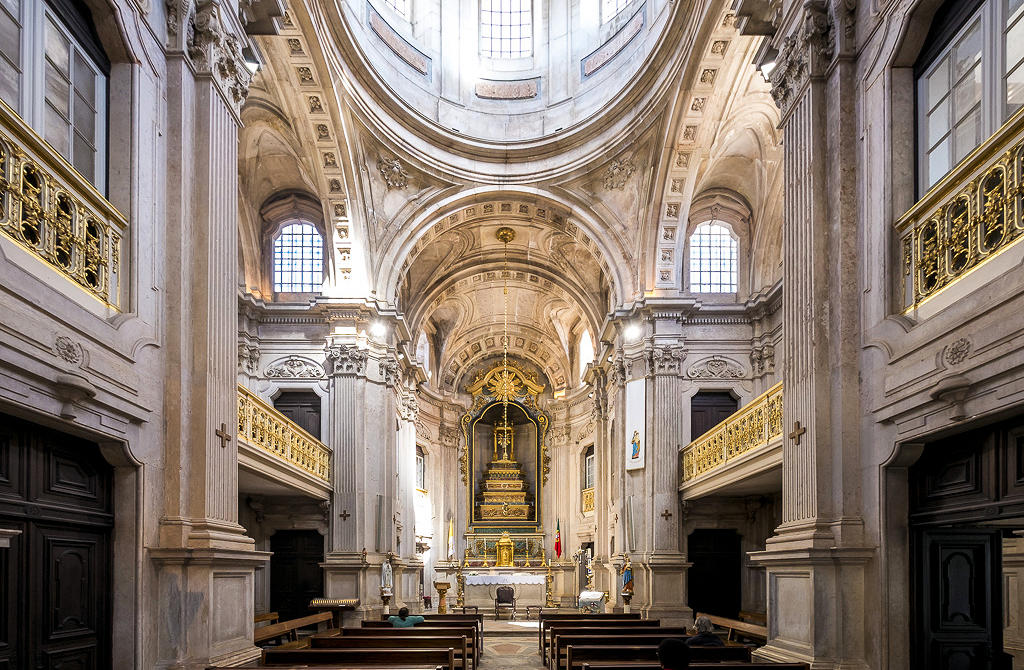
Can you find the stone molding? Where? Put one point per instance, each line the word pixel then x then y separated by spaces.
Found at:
pixel 387 368
pixel 716 367
pixel 669 360
pixel 762 359
pixel 345 360
pixel 212 49
pixel 248 358
pixel 803 54
pixel 294 367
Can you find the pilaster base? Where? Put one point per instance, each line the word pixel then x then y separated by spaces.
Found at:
pixel 206 606
pixel 660 588
pixel 815 598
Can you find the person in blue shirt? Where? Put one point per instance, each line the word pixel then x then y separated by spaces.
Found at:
pixel 403 620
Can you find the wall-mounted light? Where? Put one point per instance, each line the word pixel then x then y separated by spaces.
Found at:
pixel 767 63
pixel 632 332
pixel 378 329
pixel 251 56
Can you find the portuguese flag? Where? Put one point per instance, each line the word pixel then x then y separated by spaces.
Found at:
pixel 558 540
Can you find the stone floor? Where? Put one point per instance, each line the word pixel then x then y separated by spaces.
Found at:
pixel 510 644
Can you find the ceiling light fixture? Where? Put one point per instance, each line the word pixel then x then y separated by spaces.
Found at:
pixel 504 235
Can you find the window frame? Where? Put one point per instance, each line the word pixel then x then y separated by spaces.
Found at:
pixel 589 468
pixel 278 232
pixel 948 26
pixel 499 57
pixel 735 269
pixel 72 20
pixel 420 474
pixel 618 6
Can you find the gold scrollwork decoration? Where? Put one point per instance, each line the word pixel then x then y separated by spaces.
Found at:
pixel 753 427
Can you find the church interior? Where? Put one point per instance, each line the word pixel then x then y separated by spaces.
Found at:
pixel 567 321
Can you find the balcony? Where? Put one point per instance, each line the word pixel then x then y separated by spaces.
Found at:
pixel 743 452
pixel 966 221
pixel 587 500
pixel 57 216
pixel 276 450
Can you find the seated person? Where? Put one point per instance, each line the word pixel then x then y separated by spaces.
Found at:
pixel 403 620
pixel 705 636
pixel 673 654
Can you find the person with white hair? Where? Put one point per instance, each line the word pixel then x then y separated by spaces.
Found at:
pixel 705 636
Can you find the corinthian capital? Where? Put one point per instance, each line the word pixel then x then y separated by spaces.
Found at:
pixel 213 49
pixel 345 360
pixel 669 360
pixel 804 53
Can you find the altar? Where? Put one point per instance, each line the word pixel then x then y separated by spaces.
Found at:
pixel 482 586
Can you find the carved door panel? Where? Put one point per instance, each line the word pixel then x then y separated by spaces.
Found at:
pixel 55 577
pixel 957 621
pixel 302 407
pixel 295 573
pixel 708 409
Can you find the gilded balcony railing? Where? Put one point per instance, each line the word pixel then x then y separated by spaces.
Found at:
pixel 969 217
pixel 752 427
pixel 263 427
pixel 587 500
pixel 56 214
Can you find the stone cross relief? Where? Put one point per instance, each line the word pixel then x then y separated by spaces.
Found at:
pixel 224 435
pixel 798 430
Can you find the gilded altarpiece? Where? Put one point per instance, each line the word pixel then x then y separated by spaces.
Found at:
pixel 504 465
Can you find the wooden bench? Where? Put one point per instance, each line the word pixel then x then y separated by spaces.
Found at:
pixel 564 616
pixel 443 620
pixel 548 628
pixel 591 636
pixel 577 655
pixel 441 641
pixel 326 667
pixel 266 617
pixel 647 665
pixel 389 631
pixel 289 628
pixel 738 628
pixel 361 657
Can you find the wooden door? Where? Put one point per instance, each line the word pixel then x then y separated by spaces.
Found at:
pixel 713 581
pixel 295 573
pixel 956 600
pixel 55 585
pixel 708 409
pixel 302 407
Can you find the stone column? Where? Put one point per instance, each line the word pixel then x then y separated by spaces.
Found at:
pixel 815 561
pixel 205 561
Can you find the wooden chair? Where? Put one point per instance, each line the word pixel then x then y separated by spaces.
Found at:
pixel 505 599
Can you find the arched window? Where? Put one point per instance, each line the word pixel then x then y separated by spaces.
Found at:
pixel 423 352
pixel 713 259
pixel 611 8
pixel 53 72
pixel 586 351
pixel 400 6
pixel 588 468
pixel 298 259
pixel 970 80
pixel 506 28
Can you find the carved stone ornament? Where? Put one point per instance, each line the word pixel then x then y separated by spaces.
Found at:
pixel 294 367
pixel 669 360
pixel 802 54
pixel 449 435
pixel 618 173
pixel 68 349
pixel 762 359
pixel 345 360
pixel 617 375
pixel 248 358
pixel 957 351
pixel 388 370
pixel 716 367
pixel 214 51
pixel 392 172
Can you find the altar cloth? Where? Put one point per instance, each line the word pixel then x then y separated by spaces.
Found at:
pixel 514 578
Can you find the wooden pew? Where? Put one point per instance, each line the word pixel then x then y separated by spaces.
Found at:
pixel 360 657
pixel 289 628
pixel 729 665
pixel 440 641
pixel 591 636
pixel 564 616
pixel 389 631
pixel 738 628
pixel 326 667
pixel 443 621
pixel 577 655
pixel 266 617
pixel 549 627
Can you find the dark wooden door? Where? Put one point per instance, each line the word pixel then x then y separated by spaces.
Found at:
pixel 302 407
pixel 55 586
pixel 713 581
pixel 708 409
pixel 956 599
pixel 295 573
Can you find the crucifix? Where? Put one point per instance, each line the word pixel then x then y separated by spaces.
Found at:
pixel 344 515
pixel 798 430
pixel 666 515
pixel 223 434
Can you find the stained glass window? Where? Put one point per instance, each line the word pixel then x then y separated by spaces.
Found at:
pixel 713 259
pixel 506 28
pixel 298 259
